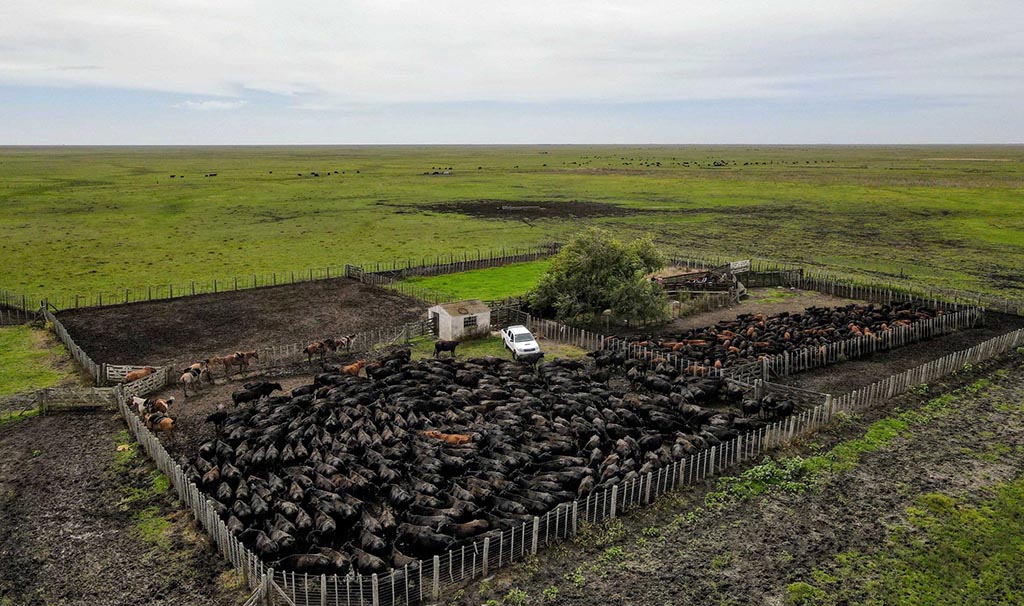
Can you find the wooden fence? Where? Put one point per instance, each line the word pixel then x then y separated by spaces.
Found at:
pixel 56 399
pixel 455 263
pixel 813 357
pixel 852 286
pixel 431 579
pixel 92 368
pixel 433 265
pixel 16 309
pixel 428 296
pixel 701 303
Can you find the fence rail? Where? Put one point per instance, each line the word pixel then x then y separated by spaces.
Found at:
pixel 441 265
pixel 16 309
pixel 92 368
pixel 853 286
pixel 427 265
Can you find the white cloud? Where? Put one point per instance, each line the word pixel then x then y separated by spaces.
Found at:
pixel 211 104
pixel 367 52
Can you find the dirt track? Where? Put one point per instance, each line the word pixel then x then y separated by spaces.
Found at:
pixel 64 539
pixel 181 331
pixel 750 551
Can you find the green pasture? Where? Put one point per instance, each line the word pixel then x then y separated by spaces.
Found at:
pixel 488 284
pixel 82 220
pixel 26 363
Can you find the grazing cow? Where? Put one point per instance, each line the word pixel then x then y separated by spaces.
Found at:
pixel 449 346
pixel 254 392
pixel 135 375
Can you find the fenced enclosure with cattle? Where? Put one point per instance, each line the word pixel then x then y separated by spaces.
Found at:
pixel 432 576
pixel 435 577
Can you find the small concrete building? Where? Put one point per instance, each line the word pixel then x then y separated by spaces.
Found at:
pixel 461 319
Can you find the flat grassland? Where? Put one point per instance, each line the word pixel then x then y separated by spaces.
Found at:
pixel 487 284
pixel 82 220
pixel 30 359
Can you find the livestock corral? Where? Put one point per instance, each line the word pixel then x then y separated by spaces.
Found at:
pixel 356 466
pixel 364 474
pixel 183 330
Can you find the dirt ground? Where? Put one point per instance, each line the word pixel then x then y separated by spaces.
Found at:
pixel 750 551
pixel 854 374
pixel 66 537
pixel 520 210
pixel 181 331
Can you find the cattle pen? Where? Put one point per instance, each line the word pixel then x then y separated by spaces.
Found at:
pixel 429 580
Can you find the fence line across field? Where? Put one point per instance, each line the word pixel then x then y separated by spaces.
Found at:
pixel 432 265
pixel 849 285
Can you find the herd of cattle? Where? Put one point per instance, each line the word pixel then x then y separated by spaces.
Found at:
pixel 369 472
pixel 399 460
pixel 752 336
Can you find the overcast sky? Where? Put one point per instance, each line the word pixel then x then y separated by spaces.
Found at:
pixel 449 71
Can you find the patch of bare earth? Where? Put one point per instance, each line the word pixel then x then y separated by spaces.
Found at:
pixel 185 330
pixel 66 539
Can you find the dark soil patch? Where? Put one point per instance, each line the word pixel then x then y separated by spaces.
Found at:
pixel 525 210
pixel 65 539
pixel 185 330
pixel 854 374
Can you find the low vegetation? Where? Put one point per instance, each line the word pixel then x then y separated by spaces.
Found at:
pixel 488 284
pixel 27 360
pixel 930 212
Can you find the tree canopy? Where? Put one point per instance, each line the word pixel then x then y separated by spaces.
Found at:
pixel 595 272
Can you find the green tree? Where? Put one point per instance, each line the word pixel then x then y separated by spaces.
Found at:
pixel 595 272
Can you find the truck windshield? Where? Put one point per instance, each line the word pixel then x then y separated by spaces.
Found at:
pixel 523 337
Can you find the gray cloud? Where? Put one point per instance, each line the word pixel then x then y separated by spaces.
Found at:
pixel 400 52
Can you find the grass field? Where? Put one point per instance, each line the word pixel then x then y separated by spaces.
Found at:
pixel 27 360
pixel 487 284
pixel 79 220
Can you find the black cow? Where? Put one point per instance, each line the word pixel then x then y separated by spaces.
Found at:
pixel 254 392
pixel 448 346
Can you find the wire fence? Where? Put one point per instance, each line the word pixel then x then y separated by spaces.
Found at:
pixel 425 265
pixel 92 368
pixel 16 308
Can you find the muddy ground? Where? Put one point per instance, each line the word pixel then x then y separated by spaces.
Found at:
pixel 181 331
pixel 67 536
pixel 749 551
pixel 520 210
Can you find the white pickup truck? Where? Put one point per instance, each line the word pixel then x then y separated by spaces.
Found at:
pixel 519 340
